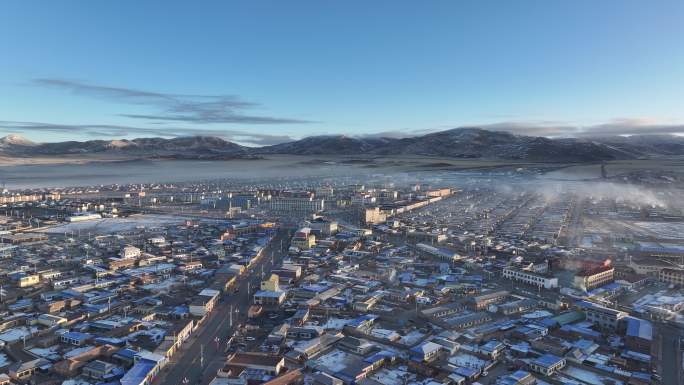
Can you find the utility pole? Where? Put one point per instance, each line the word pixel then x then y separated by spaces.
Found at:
pixel 202 356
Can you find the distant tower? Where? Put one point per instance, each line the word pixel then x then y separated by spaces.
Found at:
pixel 604 174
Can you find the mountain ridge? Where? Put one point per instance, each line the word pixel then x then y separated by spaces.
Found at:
pixel 465 142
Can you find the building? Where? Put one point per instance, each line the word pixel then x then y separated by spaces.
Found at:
pixel 28 280
pixel 639 335
pixel 80 217
pixel 24 370
pixel 98 369
pixel 269 298
pixel 427 351
pixel 129 252
pixel 50 320
pixel 547 364
pixel 373 215
pixel 320 226
pixel 602 317
pixel 204 303
pixel 271 284
pixel 323 378
pixel 304 239
pixel 672 276
pixel 442 192
pixel 481 302
pixel 303 333
pixel 592 278
pixel 368 302
pixel 265 363
pixel 492 349
pixel 530 278
pixel 292 377
pixel 76 338
pixel 296 205
pixel 439 253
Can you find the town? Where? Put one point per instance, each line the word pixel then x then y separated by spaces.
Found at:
pixel 385 281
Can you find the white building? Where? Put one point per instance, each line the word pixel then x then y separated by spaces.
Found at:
pixel 204 303
pixel 296 204
pixel 547 364
pixel 83 217
pixel 602 317
pixel 129 252
pixel 530 278
pixel 442 254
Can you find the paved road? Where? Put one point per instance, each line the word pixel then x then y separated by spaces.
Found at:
pixel 670 366
pixel 202 356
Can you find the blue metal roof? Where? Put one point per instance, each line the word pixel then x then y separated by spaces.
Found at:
pixel 77 336
pixel 137 374
pixel 639 328
pixel 547 360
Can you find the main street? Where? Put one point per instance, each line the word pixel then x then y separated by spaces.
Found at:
pixel 668 348
pixel 203 354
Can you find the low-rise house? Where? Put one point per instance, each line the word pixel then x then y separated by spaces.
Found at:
pixel 50 320
pixel 269 298
pixel 24 370
pixel 204 303
pixel 303 333
pixel 427 351
pixel 98 370
pixel 492 349
pixel 355 345
pixel 268 364
pixel 547 364
pixel 323 378
pixel 76 338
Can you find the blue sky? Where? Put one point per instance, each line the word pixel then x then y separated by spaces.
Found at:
pixel 261 72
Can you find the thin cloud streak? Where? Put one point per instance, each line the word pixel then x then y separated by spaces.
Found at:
pixel 620 126
pixel 191 108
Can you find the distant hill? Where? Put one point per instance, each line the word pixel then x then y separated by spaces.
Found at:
pixel 194 147
pixel 471 143
pixel 645 146
pixel 467 143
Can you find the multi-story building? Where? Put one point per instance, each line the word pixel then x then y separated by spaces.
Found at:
pixel 296 205
pixel 602 317
pixel 481 302
pixel 28 280
pixel 442 192
pixel 530 278
pixel 271 284
pixel 373 215
pixel 672 275
pixel 592 278
pixel 303 239
pixel 130 252
pixel 323 227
